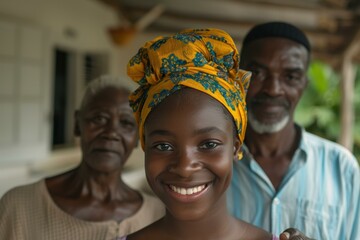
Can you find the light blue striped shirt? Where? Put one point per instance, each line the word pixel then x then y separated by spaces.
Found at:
pixel 319 195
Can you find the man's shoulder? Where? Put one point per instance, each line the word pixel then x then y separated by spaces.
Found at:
pixel 327 149
pixel 318 141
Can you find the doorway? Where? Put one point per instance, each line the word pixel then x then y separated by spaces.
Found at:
pixel 72 71
pixel 63 85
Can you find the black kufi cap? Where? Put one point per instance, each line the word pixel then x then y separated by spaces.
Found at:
pixel 277 29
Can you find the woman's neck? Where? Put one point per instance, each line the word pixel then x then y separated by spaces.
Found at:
pixel 85 182
pixel 217 223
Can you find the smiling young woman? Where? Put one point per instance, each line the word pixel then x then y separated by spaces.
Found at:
pixel 189 154
pixel 191 112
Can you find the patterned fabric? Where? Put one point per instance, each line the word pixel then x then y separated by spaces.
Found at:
pixel 203 59
pixel 319 195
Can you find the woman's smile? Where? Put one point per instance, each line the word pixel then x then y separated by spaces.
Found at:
pixel 187 191
pixel 187 194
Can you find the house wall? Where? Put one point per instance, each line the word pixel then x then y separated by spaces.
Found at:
pixel 88 19
pixel 79 26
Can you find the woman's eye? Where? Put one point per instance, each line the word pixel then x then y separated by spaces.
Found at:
pixel 99 120
pixel 209 145
pixel 128 123
pixel 163 147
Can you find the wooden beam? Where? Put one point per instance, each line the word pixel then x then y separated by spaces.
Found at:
pixel 347 92
pixel 353 44
pixel 337 3
pixel 264 9
pixel 347 110
pixel 321 41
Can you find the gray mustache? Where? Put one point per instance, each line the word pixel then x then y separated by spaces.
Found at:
pixel 271 101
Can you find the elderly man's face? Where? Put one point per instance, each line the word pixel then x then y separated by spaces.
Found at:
pixel 278 69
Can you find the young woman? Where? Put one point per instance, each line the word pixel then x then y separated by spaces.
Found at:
pixel 191 112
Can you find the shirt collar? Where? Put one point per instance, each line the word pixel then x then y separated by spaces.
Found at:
pixel 302 149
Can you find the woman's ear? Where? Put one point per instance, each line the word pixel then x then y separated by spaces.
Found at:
pixel 237 149
pixel 77 131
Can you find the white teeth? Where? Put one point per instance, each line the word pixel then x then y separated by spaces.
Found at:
pixel 183 191
pixel 187 191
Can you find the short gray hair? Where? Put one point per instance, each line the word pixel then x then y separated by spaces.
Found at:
pixel 100 83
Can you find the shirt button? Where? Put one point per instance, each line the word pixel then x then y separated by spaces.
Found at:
pixel 276 201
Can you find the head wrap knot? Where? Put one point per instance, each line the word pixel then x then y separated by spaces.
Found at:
pixel 203 59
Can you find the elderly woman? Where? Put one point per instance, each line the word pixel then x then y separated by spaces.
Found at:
pixel 91 201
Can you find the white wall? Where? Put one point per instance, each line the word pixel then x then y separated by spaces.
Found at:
pixel 88 18
pixel 87 21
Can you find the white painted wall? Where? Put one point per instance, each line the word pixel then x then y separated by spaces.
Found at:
pixel 90 20
pixel 87 20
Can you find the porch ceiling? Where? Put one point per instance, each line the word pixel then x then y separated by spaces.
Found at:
pixel 331 25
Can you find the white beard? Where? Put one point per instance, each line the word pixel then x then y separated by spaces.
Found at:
pixel 261 128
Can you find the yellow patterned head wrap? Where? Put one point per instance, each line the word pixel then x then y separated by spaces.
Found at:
pixel 203 59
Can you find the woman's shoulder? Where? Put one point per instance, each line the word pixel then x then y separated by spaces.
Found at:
pixel 18 208
pixel 154 230
pixel 22 194
pixel 255 232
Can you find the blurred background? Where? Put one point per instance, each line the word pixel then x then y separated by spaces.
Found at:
pixel 50 49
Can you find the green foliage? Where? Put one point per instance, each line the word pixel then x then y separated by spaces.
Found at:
pixel 319 109
pixel 357 115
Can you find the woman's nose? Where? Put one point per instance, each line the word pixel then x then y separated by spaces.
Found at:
pixel 185 164
pixel 112 130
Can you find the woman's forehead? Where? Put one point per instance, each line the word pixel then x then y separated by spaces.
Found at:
pixel 110 93
pixel 186 98
pixel 190 106
pixel 108 97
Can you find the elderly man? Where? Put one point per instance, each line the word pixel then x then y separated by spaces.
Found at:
pixel 287 176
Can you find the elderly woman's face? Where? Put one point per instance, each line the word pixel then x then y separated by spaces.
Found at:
pixel 189 148
pixel 108 130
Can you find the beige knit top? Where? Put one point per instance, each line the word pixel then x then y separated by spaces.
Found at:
pixel 29 213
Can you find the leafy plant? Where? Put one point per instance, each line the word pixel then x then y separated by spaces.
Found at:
pixel 319 109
